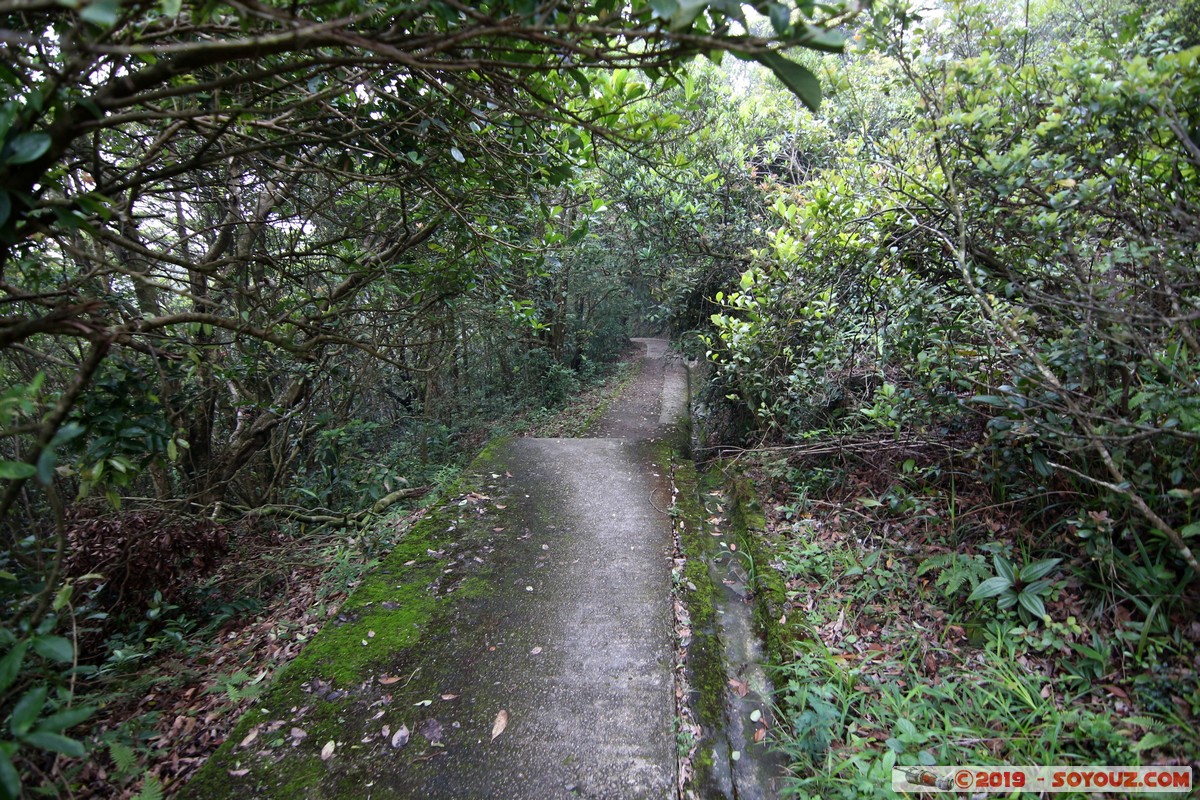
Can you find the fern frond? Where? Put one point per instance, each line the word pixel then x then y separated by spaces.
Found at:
pixel 1151 724
pixel 957 571
pixel 940 561
pixel 124 757
pixel 151 790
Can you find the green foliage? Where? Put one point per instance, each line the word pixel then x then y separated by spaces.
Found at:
pixel 968 275
pixel 874 684
pixel 324 293
pixel 126 428
pixel 956 571
pixel 36 699
pixel 970 265
pixel 1022 588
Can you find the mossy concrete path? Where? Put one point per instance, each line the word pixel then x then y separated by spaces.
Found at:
pixel 518 644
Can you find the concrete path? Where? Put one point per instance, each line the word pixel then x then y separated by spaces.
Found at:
pixel 573 641
pixel 581 661
pixel 517 644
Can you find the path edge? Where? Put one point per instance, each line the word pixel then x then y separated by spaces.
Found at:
pixel 230 770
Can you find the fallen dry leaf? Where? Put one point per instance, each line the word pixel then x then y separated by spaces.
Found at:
pixel 760 734
pixel 327 750
pixel 400 737
pixel 388 680
pixel 535 651
pixel 501 506
pixel 449 697
pixel 250 737
pixel 500 724
pixel 740 688
pixel 298 733
pixel 237 773
pixel 1114 689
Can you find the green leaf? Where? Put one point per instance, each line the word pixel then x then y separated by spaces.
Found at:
pixel 47 461
pixel 1032 603
pixel 821 39
pixel 1039 569
pixel 664 9
pixel 457 155
pixel 102 12
pixel 27 710
pixel 781 17
pixel 990 588
pixel 124 757
pixel 170 8
pixel 999 401
pixel 151 790
pixel 1005 569
pixel 1038 587
pixel 1041 464
pixel 1151 740
pixel 5 207
pixel 54 648
pixel 10 665
pixel 63 720
pixel 10 781
pixel 72 430
pixel 584 85
pixel 796 77
pixel 55 743
pixel 16 470
pixel 686 13
pixel 1006 600
pixel 1192 529
pixel 63 596
pixel 25 148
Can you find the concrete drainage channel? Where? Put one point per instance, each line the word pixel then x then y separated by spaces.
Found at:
pixel 723 602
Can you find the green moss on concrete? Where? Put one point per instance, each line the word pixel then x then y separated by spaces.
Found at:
pixel 397 603
pixel 706 661
pixel 618 390
pixel 748 526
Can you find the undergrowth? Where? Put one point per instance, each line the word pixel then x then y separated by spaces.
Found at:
pixel 172 653
pixel 903 654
